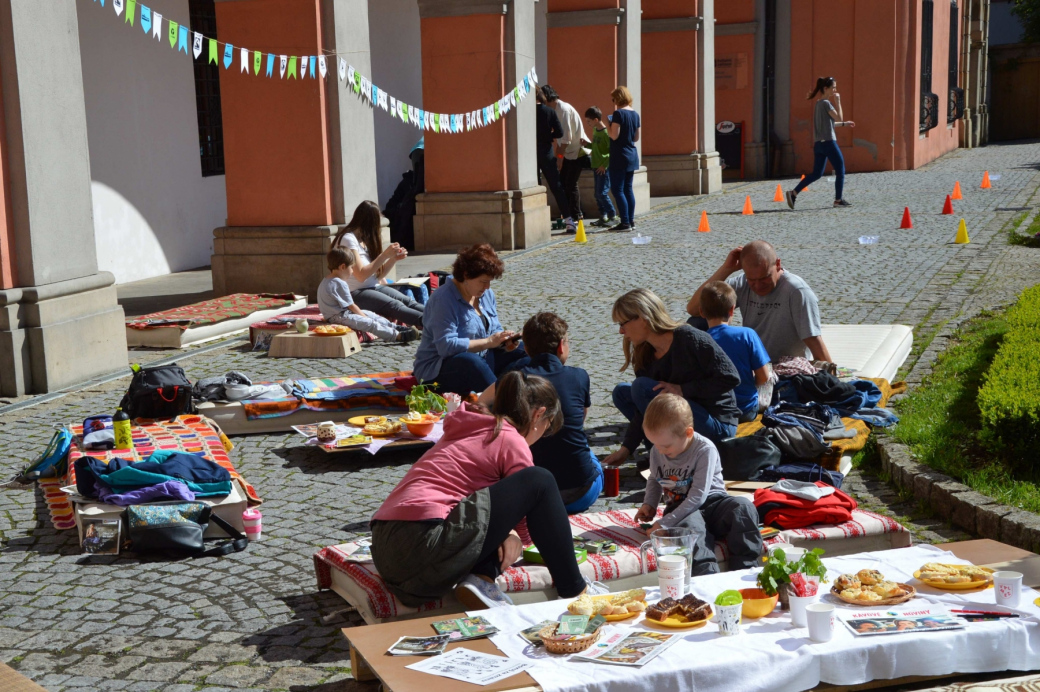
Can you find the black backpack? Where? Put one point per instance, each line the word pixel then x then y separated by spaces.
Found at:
pixel 162 391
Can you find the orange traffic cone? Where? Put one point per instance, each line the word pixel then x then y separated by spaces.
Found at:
pixel 985 181
pixel 948 207
pixel 806 188
pixel 779 196
pixel 704 227
pixel 748 211
pixel 956 191
pixel 907 223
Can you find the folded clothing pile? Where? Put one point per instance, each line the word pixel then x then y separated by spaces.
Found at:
pixel 235 386
pixel 794 505
pixel 165 475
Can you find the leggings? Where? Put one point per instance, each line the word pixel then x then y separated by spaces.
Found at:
pixel 389 303
pixel 532 494
pixel 621 186
pixel 822 153
pixel 551 179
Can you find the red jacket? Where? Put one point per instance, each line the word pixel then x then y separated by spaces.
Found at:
pixel 789 512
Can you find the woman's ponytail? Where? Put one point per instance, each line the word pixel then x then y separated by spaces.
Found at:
pixel 821 84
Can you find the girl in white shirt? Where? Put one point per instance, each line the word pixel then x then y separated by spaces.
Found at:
pixel 368 288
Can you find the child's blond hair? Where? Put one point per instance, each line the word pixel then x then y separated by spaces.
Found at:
pixel 668 412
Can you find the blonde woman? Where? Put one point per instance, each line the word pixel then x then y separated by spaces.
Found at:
pixel 671 357
pixel 624 157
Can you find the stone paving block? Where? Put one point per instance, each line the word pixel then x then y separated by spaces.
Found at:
pixel 224 653
pixel 923 484
pixel 1021 529
pixel 964 509
pixel 295 677
pixel 988 519
pixel 941 498
pixel 238 676
pixel 159 672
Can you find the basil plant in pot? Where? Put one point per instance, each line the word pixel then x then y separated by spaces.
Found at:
pixel 775 577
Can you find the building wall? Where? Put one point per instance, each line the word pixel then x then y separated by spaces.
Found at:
pixel 735 61
pixel 154 213
pixel 670 83
pixel 397 67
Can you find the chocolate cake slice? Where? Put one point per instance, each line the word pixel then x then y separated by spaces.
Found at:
pixel 694 608
pixel 662 609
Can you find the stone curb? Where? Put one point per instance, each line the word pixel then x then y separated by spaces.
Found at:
pixel 957 503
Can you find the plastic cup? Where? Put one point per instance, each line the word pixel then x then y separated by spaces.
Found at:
pixel 798 606
pixel 672 587
pixel 612 482
pixel 1007 587
pixel 252 523
pixel 820 619
pixel 671 563
pixel 672 574
pixel 728 619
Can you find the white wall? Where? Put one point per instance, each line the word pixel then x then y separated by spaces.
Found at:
pixel 154 213
pixel 397 67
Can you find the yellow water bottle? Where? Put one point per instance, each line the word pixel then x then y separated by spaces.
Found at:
pixel 121 428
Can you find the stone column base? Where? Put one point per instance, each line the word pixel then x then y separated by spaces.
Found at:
pixel 507 219
pixel 587 190
pixel 684 174
pixel 61 334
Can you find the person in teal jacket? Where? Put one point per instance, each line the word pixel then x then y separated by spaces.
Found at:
pixel 600 166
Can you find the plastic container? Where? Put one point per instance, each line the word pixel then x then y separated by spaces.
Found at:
pixel 611 482
pixel 869 239
pixel 121 429
pixel 252 521
pixel 640 239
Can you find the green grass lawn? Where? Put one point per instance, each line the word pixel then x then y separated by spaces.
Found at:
pixel 941 424
pixel 1031 236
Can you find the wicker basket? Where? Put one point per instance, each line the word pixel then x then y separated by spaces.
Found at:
pixel 908 593
pixel 569 646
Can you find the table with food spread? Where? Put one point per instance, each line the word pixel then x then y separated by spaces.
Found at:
pixel 918 611
pixel 372 433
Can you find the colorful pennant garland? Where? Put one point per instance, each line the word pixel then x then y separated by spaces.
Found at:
pixel 179 37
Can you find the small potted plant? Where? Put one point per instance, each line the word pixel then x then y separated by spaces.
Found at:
pixel 775 577
pixel 424 401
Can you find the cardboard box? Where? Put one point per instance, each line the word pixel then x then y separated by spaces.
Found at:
pixel 229 508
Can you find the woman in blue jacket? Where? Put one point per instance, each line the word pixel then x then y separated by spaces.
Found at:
pixel 464 348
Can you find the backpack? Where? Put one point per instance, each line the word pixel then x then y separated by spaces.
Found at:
pixel 162 391
pixel 176 529
pixel 51 462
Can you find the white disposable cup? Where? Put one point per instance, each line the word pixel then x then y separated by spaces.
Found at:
pixel 1007 587
pixel 673 563
pixel 820 618
pixel 671 572
pixel 672 587
pixel 798 605
pixel 728 619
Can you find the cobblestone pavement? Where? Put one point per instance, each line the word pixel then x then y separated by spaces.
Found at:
pixel 255 619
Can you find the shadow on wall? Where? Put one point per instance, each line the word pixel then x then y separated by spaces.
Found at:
pixel 126 243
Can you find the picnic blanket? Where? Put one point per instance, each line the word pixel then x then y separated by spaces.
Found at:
pixel 849 445
pixel 212 311
pixel 372 391
pixel 188 433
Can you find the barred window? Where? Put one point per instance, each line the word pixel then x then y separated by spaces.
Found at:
pixel 929 101
pixel 207 91
pixel 955 100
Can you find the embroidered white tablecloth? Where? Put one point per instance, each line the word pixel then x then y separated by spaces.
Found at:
pixel 773 656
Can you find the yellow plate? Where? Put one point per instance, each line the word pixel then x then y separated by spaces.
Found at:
pixel 676 623
pixel 331 333
pixel 620 616
pixel 359 421
pixel 963 586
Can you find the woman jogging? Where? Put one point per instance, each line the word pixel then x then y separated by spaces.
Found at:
pixel 826 116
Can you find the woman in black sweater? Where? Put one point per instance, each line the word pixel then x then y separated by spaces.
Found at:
pixel 670 356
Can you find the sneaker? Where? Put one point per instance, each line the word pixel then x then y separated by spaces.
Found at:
pixel 477 593
pixel 600 222
pixel 622 227
pixel 790 196
pixel 407 334
pixel 841 203
pixel 571 227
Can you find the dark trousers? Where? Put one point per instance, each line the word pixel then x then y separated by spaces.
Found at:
pixel 569 176
pixel 732 519
pixel 624 196
pixel 389 303
pixel 822 153
pixel 474 372
pixel 551 179
pixel 532 494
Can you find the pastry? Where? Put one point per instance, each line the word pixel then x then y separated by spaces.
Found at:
pixel 887 589
pixel 847 581
pixel 953 574
pixel 628 596
pixel 938 567
pixel 957 579
pixel 617 604
pixel 635 606
pixel 870 577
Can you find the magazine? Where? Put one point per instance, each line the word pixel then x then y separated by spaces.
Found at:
pixel 624 647
pixel 419 646
pixel 465 628
pixel 900 621
pixel 360 551
pixel 530 635
pixel 470 666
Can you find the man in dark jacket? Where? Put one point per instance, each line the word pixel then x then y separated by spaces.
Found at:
pixel 549 129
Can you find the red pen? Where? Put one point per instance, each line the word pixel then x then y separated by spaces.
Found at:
pixel 987 612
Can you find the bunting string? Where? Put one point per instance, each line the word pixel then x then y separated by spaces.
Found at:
pixel 300 67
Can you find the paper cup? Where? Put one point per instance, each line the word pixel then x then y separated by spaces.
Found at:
pixel 672 587
pixel 798 605
pixel 820 618
pixel 1007 587
pixel 671 563
pixel 728 619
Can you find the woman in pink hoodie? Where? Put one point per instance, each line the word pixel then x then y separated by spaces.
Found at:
pixel 451 520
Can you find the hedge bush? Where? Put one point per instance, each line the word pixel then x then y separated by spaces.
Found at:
pixel 1009 399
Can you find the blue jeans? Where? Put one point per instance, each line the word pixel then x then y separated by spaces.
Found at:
pixel 633 398
pixel 822 153
pixel 621 186
pixel 473 372
pixel 601 186
pixel 586 500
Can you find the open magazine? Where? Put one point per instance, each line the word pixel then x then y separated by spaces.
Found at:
pixel 624 647
pixel 900 621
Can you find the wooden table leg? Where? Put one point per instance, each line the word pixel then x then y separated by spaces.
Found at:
pixel 359 668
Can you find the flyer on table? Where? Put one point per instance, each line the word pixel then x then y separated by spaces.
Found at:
pixel 900 621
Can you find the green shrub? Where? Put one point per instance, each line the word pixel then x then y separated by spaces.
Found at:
pixel 1009 399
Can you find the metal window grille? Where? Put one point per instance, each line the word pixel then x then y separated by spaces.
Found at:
pixel 955 100
pixel 929 101
pixel 207 91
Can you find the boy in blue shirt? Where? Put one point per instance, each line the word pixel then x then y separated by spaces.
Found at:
pixel 742 345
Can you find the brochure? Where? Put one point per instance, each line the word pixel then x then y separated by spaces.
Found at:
pixel 470 666
pixel 572 624
pixel 360 551
pixel 900 621
pixel 419 646
pixel 530 635
pixel 465 628
pixel 624 647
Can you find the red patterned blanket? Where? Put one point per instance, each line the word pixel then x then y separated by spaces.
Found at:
pixel 213 311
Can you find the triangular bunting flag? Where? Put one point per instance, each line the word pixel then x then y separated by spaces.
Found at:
pixel 382 99
pixel 436 122
pixel 243 55
pixel 393 107
pixel 228 55
pixel 196 45
pixel 117 5
pixel 351 73
pixel 146 19
pixel 357 81
pixel 173 33
pixel 366 89
pixel 323 66
pixel 213 51
pixel 304 61
pixel 270 64
pixel 469 121
pixel 313 66
pixel 342 69
pixel 402 112
pixel 182 39
pixel 512 98
pixel 257 59
pixel 130 11
pixel 292 66
pixel 282 62
pixel 157 26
